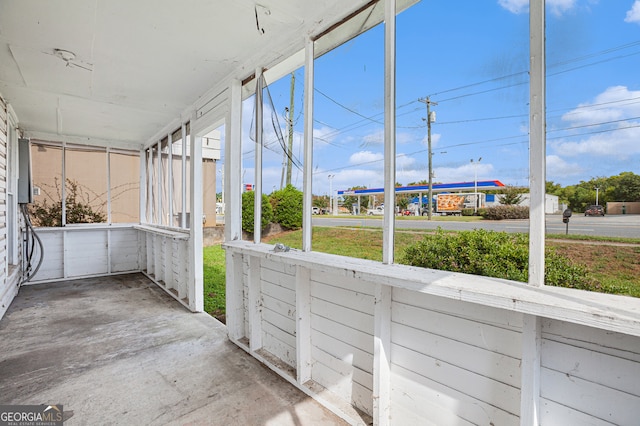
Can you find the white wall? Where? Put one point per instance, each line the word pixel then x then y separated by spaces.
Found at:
pixel 87 250
pixel 456 340
pixel 8 279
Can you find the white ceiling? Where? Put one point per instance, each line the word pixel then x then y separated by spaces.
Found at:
pixel 139 64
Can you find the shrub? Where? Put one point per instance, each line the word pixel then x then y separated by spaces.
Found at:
pixel 467 212
pixel 287 207
pixel 247 211
pixel 491 254
pixel 79 207
pixel 506 212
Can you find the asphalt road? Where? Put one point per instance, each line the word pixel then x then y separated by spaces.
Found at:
pixel 609 226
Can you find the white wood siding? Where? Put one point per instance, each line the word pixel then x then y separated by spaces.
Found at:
pixel 584 371
pixel 8 288
pixel 73 252
pixel 455 340
pixel 163 256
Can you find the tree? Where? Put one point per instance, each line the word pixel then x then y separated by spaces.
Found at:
pixel 625 187
pixel 511 196
pixel 350 200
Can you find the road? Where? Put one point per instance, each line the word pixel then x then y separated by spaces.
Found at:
pixel 608 226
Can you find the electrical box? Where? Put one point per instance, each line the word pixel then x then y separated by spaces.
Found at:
pixel 25 185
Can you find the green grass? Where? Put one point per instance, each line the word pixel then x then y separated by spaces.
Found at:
pixel 593 238
pixel 433 218
pixel 214 281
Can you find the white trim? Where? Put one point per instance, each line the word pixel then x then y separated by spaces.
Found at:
pixel 597 310
pixel 98 142
pixel 303 325
pixel 382 355
pixel 257 208
pixel 170 178
pixel 183 218
pixel 143 186
pixel 233 166
pixel 195 284
pixel 254 309
pixel 388 232
pixel 108 161
pixel 307 192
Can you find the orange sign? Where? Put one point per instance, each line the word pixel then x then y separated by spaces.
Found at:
pixel 450 202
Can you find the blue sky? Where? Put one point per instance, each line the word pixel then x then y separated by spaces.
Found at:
pixel 472 59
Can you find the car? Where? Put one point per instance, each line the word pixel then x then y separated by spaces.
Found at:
pixel 594 210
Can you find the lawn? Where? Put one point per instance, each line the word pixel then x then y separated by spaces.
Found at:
pixel 614 265
pixel 214 281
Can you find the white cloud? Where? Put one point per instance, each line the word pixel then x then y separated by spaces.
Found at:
pixel 615 103
pixel 610 122
pixel 633 15
pixel 558 168
pixel 366 157
pixel 620 144
pixel 515 6
pixel 557 7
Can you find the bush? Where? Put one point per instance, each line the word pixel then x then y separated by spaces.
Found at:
pixel 491 254
pixel 79 207
pixel 467 212
pixel 247 211
pixel 506 212
pixel 287 207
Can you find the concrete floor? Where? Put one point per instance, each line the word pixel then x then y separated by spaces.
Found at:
pixel 118 350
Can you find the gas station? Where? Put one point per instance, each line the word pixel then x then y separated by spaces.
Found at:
pixel 420 190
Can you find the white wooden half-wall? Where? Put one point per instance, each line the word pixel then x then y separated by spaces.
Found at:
pixel 97 250
pixel 450 344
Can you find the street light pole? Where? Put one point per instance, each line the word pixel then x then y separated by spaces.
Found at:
pixel 475 185
pixel 597 190
pixel 331 193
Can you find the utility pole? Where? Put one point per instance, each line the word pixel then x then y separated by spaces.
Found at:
pixel 290 146
pixel 431 118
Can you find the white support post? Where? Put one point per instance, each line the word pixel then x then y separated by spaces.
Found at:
pixel 532 328
pixel 170 179
pixel 150 174
pixel 183 217
pixel 196 285
pixel 233 166
pixel 108 151
pixel 234 296
pixel 388 233
pixel 63 186
pixel 143 187
pixel 159 186
pixel 255 304
pixel 537 143
pixel 303 324
pixel 257 210
pixel 307 190
pixel 382 355
pixel 530 367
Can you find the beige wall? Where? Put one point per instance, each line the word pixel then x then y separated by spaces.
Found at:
pixel 616 207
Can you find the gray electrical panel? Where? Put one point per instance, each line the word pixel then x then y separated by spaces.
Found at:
pixel 25 186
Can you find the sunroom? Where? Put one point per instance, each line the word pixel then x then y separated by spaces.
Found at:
pixel 144 100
